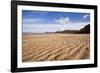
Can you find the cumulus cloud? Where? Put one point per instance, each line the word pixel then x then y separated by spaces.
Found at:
pixel 85 16
pixel 62 20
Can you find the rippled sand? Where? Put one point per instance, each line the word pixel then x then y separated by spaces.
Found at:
pixel 53 47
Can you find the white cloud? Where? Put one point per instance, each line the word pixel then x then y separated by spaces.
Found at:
pixel 62 20
pixel 41 28
pixel 85 16
pixel 62 28
pixel 29 21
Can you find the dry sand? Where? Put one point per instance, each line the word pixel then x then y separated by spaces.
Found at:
pixel 55 47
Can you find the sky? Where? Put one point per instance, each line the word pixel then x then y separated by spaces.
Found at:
pixel 49 21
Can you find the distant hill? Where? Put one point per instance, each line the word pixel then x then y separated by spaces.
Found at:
pixel 84 30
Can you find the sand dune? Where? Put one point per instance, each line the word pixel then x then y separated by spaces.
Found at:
pixel 53 47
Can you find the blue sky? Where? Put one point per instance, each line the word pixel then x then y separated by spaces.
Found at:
pixel 46 21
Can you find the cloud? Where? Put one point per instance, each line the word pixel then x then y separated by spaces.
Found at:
pixel 32 20
pixel 41 28
pixel 62 28
pixel 85 16
pixel 62 20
